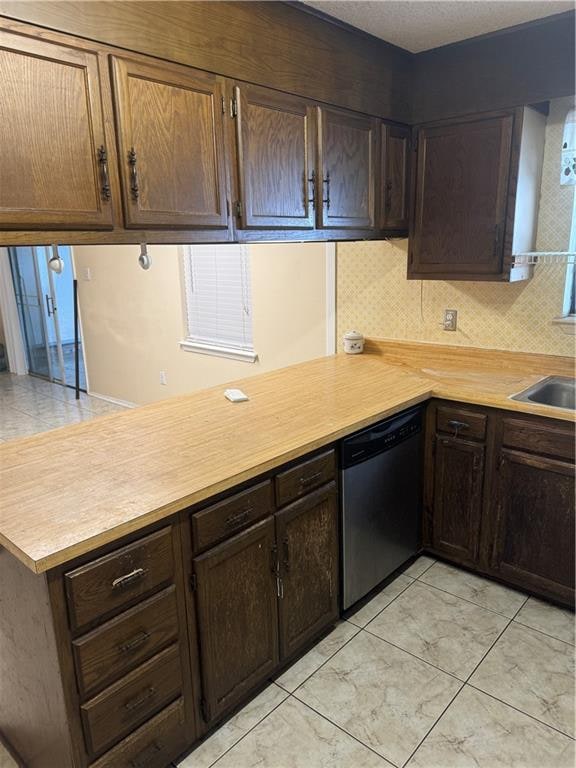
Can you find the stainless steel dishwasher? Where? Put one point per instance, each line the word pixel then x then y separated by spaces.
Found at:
pixel 381 501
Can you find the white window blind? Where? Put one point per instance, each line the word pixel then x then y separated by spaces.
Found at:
pixel 218 300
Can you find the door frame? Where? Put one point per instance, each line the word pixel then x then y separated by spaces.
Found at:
pixel 14 341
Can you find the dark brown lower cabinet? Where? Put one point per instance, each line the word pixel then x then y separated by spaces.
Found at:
pixel 236 597
pixel 503 504
pixel 533 534
pixel 307 535
pixel 458 480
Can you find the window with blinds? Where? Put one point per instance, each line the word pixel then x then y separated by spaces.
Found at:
pixel 218 301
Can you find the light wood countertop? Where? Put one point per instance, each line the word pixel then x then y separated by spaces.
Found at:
pixel 67 492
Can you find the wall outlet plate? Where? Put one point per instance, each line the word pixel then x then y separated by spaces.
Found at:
pixel 450 322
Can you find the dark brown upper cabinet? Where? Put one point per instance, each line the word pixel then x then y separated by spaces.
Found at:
pixel 307 535
pixel 171 145
pixel 394 177
pixel 348 162
pixel 476 192
pixel 276 143
pixel 53 153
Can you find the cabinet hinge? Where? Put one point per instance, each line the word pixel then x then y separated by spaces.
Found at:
pixel 233 107
pixel 223 105
pixel 193 582
pixel 205 710
pixel 238 208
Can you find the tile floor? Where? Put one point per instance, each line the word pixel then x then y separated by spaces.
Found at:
pixel 29 405
pixel 442 669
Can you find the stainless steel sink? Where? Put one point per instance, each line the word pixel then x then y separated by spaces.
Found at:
pixel 555 391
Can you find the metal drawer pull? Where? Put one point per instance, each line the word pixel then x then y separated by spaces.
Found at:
pixel 312 180
pixel 310 478
pixel 326 200
pixel 146 756
pixel 134 188
pixel 240 518
pixel 105 179
pixel 129 578
pixel 140 700
pixel 135 643
pixel 458 424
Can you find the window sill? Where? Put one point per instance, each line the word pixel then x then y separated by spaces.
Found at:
pixel 567 324
pixel 244 355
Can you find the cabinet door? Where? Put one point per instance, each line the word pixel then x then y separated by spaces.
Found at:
pixel 171 145
pixel 348 165
pixel 457 498
pixel 461 199
pixel 237 616
pixel 533 542
pixel 307 535
pixel 395 176
pixel 276 159
pixel 53 154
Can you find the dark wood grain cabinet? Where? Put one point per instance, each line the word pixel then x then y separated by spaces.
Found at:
pixel 502 500
pixel 171 145
pixel 55 158
pixel 394 177
pixel 276 145
pixel 348 167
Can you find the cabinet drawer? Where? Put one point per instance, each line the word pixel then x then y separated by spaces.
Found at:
pixel 464 423
pixel 117 579
pixel 549 439
pixel 112 650
pixel 298 481
pixel 221 520
pixel 132 700
pixel 151 746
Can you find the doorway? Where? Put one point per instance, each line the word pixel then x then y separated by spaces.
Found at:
pixel 45 303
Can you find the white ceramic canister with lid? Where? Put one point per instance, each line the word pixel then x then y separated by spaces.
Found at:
pixel 353 343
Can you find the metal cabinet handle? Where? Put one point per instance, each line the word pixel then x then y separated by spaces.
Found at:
pixel 134 188
pixel 147 755
pixel 326 181
pixel 105 178
pixel 455 424
pixel 132 645
pixel 310 478
pixel 129 578
pixel 233 520
pixel 286 551
pixel 139 701
pixel 312 180
pixel 49 301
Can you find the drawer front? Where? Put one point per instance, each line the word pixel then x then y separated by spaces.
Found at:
pixel 461 422
pixel 119 578
pixel 120 645
pixel 303 478
pixel 551 439
pixel 153 745
pixel 219 521
pixel 128 703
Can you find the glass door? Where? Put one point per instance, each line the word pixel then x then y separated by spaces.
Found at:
pixel 29 300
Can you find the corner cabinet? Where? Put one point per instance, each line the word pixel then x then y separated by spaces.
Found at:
pixel 395 175
pixel 171 145
pixel 55 157
pixel 475 198
pixel 499 496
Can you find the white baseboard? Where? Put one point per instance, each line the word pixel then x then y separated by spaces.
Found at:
pixel 115 400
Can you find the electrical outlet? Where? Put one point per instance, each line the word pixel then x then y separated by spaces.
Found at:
pixel 450 319
pixel 163 377
pixel 87 274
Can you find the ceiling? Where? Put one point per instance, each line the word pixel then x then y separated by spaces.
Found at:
pixel 418 25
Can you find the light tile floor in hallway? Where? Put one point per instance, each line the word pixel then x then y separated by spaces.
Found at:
pixel 441 669
pixel 29 405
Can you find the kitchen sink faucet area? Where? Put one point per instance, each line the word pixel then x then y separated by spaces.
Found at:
pixel 287 384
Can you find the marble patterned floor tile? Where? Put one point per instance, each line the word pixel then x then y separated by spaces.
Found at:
pixel 481 591
pixel 440 628
pixel 293 736
pixel 532 672
pixel 308 664
pixel 233 730
pixel 381 695
pixel 15 424
pixel 476 731
pixel 548 618
pixel 380 601
pixel 419 566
